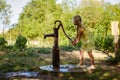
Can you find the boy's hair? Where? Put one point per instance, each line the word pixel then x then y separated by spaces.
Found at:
pixel 78 19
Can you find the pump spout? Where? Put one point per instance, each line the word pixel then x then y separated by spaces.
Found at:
pixel 48 35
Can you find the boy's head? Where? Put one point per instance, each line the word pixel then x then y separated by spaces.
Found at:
pixel 77 20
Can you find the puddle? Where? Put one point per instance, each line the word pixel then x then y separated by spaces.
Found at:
pixel 22 74
pixel 28 74
pixel 63 68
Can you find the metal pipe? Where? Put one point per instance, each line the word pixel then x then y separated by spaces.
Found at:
pixel 48 35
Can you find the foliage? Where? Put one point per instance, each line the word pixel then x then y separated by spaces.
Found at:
pixel 4 15
pixel 103 41
pixel 108 43
pixel 2 5
pixel 3 43
pixel 45 50
pixel 67 48
pixel 70 47
pixel 38 18
pixel 113 61
pixel 20 42
pixel 91 12
pixel 27 59
pixel 16 65
pixel 35 18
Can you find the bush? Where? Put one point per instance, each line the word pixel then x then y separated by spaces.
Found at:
pixel 108 44
pixel 3 43
pixel 113 61
pixel 21 42
pixel 103 40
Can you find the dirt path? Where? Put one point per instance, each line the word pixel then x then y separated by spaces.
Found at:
pixel 75 54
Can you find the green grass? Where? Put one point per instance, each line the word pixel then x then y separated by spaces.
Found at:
pixel 27 59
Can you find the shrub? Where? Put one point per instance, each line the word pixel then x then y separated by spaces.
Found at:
pixel 108 43
pixel 103 40
pixel 3 43
pixel 21 42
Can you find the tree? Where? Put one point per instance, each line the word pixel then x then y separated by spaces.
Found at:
pixel 69 5
pixel 38 17
pixel 91 10
pixel 2 5
pixel 4 14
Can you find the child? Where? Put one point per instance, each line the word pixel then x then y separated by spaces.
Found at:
pixel 87 41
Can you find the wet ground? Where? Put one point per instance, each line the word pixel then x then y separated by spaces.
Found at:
pixel 44 69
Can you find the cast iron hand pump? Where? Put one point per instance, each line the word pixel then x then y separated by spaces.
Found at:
pixel 55 51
